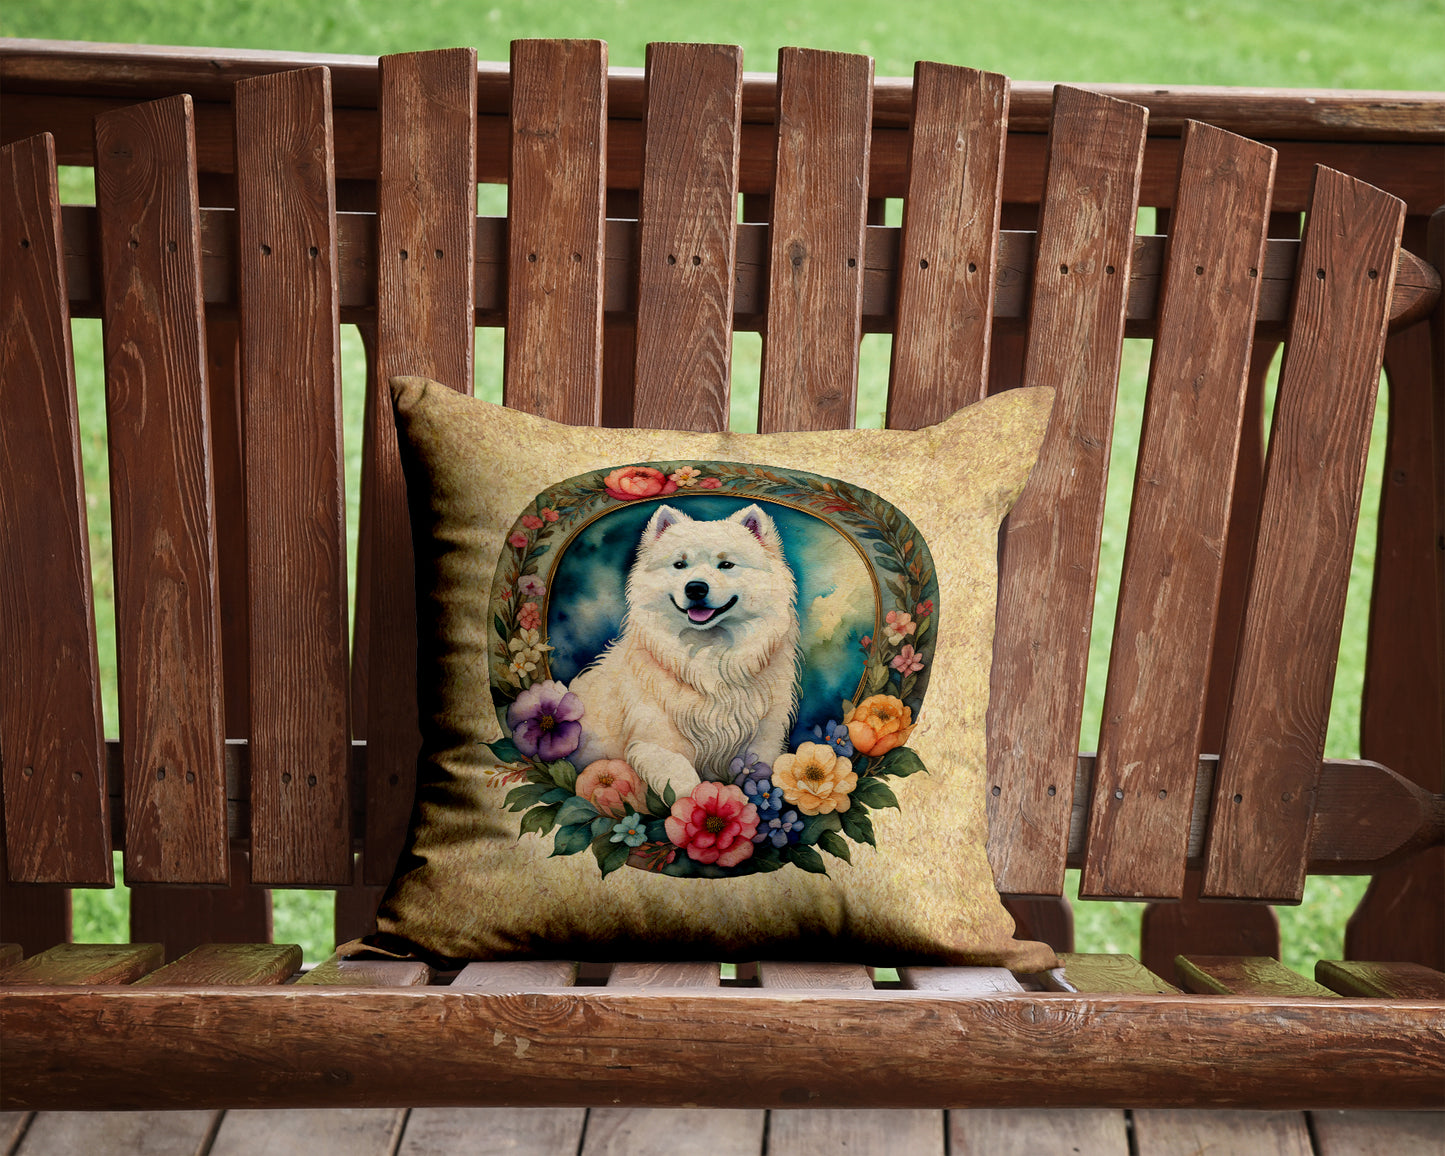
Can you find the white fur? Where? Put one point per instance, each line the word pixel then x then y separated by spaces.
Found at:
pixel 679 698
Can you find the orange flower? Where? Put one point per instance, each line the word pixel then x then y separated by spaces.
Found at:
pixel 878 724
pixel 815 779
pixel 612 786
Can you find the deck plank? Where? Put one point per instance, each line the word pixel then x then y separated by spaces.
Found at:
pixel 313 1131
pixel 1027 1131
pixel 1344 1133
pixel 858 1132
pixel 1169 1132
pixel 515 1131
pixel 1382 980
pixel 674 1132
pixel 118 1133
pixel 228 963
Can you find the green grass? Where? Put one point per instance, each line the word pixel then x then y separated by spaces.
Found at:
pixel 1315 43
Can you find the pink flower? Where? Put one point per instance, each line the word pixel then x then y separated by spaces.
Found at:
pixel 531 521
pixel 715 824
pixel 709 483
pixel 550 514
pixel 531 586
pixel 628 483
pixel 898 625
pixel 518 540
pixel 865 644
pixel 684 475
pixel 530 618
pixel 612 786
pixel 907 661
pixel 925 608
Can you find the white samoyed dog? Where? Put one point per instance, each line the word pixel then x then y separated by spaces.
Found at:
pixel 706 664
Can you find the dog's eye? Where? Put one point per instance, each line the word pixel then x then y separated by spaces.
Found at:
pixel 724 565
pixel 679 565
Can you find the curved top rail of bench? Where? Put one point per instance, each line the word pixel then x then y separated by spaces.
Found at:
pixel 80 67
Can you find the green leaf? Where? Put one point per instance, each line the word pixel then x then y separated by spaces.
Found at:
pixel 815 826
pixel 539 820
pixel 501 627
pixel 806 858
pixel 848 705
pixel 576 810
pixel 858 826
pixel 877 677
pixel 654 803
pixel 614 858
pixel 835 845
pixel 888 562
pixel 536 774
pixel 506 751
pixel 571 839
pixel 873 792
pixel 564 774
pixel 602 826
pixel 556 795
pixel 537 552
pixel 669 796
pixel 520 798
pixel 900 761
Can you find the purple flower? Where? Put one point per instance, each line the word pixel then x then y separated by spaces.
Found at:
pixel 835 734
pixel 544 721
pixel 781 829
pixel 749 766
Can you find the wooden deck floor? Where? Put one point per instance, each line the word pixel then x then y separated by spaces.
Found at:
pixel 698 1132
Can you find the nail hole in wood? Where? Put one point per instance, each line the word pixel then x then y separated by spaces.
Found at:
pixel 1109 269
pixel 532 257
pixel 1063 268
pixel 310 780
pixel 672 259
pixel 852 262
pixel 76 775
pixel 404 254
pixel 1374 273
pixel 923 264
pixel 1163 794
pixel 313 251
pixel 285 776
pixel 160 774
pixel 265 250
pixel 995 792
pixel 577 257
pixel 28 772
pixel 1254 272
pixel 1239 798
pixel 1319 274
pixel 25 242
pixel 134 244
pixel 190 776
pixel 1199 270
pixel 437 254
pixel 972 268
pixel 1118 793
pixel 696 260
pixel 170 246
pixel 1053 791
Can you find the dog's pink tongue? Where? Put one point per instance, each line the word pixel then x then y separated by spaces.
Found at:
pixel 700 613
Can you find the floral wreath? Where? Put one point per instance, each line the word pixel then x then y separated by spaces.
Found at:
pixel 812 801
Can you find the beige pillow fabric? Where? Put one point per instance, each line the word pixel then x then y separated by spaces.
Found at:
pixel 672 687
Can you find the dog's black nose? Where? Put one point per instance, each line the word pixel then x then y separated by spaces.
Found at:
pixel 697 591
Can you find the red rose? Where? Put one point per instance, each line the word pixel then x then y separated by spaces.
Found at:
pixel 628 483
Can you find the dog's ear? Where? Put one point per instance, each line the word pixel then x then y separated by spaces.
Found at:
pixel 662 518
pixel 760 526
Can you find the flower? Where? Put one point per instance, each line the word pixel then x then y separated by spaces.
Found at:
pixel 550 514
pixel 611 785
pixel 747 766
pixel 709 483
pixel 907 661
pixel 529 617
pixel 715 824
pixel 865 644
pixel 924 608
pixel 629 830
pixel 781 829
pixel 899 625
pixel 521 668
pixel 684 475
pixel 762 794
pixel 814 779
pixel 835 734
pixel 531 521
pixel 543 721
pixel 519 540
pixel 506 594
pixel 629 482
pixel 530 586
pixel 526 644
pixel 878 724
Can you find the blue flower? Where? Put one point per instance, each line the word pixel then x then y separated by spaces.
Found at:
pixel 781 829
pixel 629 830
pixel 835 734
pixel 761 793
pixel 749 766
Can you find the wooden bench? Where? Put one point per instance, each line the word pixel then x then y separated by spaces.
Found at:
pixel 247 203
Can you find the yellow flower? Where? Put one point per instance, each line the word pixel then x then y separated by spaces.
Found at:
pixel 878 724
pixel 815 779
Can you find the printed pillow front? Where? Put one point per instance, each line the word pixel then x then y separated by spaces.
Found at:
pixel 672 688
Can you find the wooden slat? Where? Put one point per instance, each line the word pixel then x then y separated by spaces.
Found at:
pixel 355 911
pixel 295 500
pixel 959 980
pixel 555 206
pixel 183 918
pixel 516 1131
pixel 1275 732
pixel 517 974
pixel 797 976
pixel 687 237
pixel 1154 702
pixel 1088 972
pixel 336 1132
pixel 1243 975
pixel 86 963
pixel 33 915
pixel 1030 1131
pixel 56 819
pixel 1341 1133
pixel 947 268
pixel 122 1133
pixel 168 631
pixel 228 963
pixel 1170 1132
pixel 426 217
pixel 816 259
pixel 664 975
pixel 1383 980
pixel 337 972
pixel 1051 551
pixel 679 1131
pixel 864 1132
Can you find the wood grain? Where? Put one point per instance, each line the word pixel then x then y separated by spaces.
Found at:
pixel 516 1131
pixel 338 1132
pixel 228 963
pixel 555 206
pixel 1378 1133
pixel 684 1131
pixel 426 222
pixel 960 980
pixel 687 237
pixel 1051 548
pixel 947 267
pixel 1243 975
pixel 876 1132
pixel 183 918
pixel 1383 980
pixel 816 259
pixel 85 964
pixel 517 975
pixel 1193 926
pixel 664 975
pixel 56 818
pixel 1087 972
pixel 792 975
pixel 1275 733
pixel 122 1133
pixel 168 631
pixel 1154 700
pixel 1029 1131
pixel 337 972
pixel 33 915
pixel 1169 1132
pixel 295 499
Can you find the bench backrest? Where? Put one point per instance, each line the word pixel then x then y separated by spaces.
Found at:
pixel 242 699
